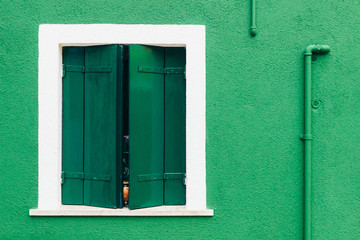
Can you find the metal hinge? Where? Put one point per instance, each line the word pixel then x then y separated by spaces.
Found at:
pixel 84 176
pixel 85 69
pixel 174 70
pixel 162 176
pixel 161 70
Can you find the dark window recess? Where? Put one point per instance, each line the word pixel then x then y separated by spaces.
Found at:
pixel 123 126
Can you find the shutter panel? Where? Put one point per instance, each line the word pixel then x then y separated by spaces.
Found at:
pixel 175 88
pixel 103 126
pixel 146 126
pixel 72 119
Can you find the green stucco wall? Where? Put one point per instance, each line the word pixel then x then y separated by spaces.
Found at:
pixel 254 118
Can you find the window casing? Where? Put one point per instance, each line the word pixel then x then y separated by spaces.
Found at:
pixel 51 40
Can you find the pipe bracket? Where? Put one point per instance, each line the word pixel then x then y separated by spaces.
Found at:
pixel 316 103
pixel 306 137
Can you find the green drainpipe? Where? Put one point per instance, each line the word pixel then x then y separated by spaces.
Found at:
pixel 307 136
pixel 253 24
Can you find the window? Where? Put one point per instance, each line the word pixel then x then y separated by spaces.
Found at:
pixel 52 39
pixel 123 122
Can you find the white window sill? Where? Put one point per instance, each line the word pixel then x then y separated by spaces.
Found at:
pixel 164 211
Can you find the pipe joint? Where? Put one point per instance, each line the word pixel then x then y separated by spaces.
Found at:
pixel 318 49
pixel 306 137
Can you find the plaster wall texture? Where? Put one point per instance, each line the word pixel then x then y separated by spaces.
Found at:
pixel 254 118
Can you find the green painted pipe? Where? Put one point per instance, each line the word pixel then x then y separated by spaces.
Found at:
pixel 307 137
pixel 253 26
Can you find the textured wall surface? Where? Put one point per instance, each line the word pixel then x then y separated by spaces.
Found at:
pixel 254 118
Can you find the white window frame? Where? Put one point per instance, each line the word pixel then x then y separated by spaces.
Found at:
pixel 52 37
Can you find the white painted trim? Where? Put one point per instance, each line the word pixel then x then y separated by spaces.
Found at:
pixel 53 36
pixel 163 211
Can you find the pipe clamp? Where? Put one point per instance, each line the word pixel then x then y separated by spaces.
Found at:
pixel 306 137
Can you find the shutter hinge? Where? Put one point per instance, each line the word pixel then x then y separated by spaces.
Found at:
pixel 145 69
pixel 84 176
pixel 85 69
pixel 160 176
pixel 161 70
pixel 174 70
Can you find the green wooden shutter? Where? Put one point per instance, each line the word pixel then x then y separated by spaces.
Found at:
pixel 175 87
pixel 146 126
pixel 103 126
pixel 93 126
pixel 72 137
